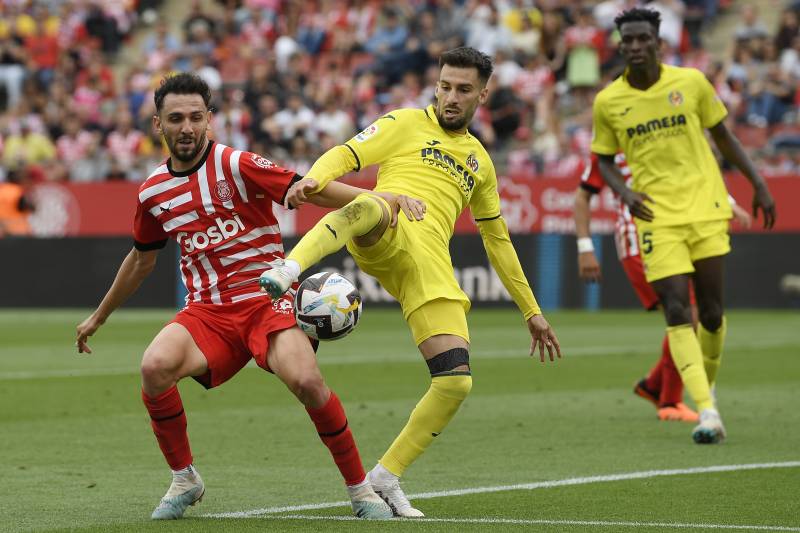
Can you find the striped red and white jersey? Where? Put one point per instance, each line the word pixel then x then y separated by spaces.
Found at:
pixel 625 235
pixel 220 213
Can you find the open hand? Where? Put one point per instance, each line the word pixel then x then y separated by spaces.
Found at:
pixel 543 336
pixel 85 330
pixel 763 200
pixel 588 267
pixel 412 208
pixel 636 204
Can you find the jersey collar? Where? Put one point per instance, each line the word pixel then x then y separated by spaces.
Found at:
pixel 662 72
pixel 430 112
pixel 195 168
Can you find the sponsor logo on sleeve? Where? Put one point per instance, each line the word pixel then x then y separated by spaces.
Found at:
pixel 371 130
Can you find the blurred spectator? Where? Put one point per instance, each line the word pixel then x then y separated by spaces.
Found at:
pixel 486 32
pixel 584 43
pixel 27 147
pixel 788 29
pixel 126 145
pixel 769 98
pixel 750 27
pixel 296 118
pixel 15 207
pixel 333 122
pixel 94 165
pixel 12 70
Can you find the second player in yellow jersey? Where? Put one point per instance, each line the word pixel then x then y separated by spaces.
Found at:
pixel 429 155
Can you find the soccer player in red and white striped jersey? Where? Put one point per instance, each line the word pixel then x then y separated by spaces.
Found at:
pixel 216 202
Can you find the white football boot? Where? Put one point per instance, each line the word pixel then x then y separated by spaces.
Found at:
pixel 710 429
pixel 277 279
pixel 367 504
pixel 387 486
pixel 187 489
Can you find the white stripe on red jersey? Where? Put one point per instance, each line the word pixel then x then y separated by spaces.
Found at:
pixel 224 237
pixel 625 236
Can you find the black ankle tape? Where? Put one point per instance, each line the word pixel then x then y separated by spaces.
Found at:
pixel 447 361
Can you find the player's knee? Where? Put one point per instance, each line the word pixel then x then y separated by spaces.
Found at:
pixel 711 318
pixel 676 313
pixel 309 387
pixel 455 386
pixel 157 367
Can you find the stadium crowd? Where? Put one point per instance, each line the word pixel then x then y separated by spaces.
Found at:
pixel 294 78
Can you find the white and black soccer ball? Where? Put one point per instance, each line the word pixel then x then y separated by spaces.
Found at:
pixel 327 306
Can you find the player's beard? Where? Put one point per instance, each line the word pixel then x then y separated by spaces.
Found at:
pixel 456 123
pixel 180 154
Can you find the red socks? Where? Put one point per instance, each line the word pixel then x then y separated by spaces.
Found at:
pixel 331 423
pixel 671 382
pixel 169 425
pixel 664 378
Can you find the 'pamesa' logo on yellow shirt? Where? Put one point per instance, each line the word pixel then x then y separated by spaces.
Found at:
pixel 656 125
pixel 436 158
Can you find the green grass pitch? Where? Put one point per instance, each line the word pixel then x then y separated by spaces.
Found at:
pixel 77 452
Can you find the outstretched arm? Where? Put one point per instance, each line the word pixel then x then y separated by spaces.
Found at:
pixel 503 258
pixel 336 195
pixel 136 266
pixel 588 267
pixel 731 150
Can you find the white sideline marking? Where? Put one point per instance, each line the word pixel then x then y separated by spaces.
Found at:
pixel 524 486
pixel 409 356
pixel 676 525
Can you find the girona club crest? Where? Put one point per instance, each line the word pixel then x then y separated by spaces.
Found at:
pixel 223 191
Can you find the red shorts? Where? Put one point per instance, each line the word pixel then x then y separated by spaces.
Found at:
pixel 231 334
pixel 634 269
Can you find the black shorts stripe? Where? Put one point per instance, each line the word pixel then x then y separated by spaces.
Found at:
pixel 585 186
pixel 149 246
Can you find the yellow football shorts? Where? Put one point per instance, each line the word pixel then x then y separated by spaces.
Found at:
pixel 438 317
pixel 412 262
pixel 671 250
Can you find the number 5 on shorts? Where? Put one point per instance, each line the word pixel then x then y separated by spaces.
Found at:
pixel 647 242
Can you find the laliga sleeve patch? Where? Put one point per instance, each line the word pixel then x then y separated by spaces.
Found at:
pixel 367 133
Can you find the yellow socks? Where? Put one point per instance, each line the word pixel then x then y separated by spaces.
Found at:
pixel 711 344
pixel 688 359
pixel 433 412
pixel 333 231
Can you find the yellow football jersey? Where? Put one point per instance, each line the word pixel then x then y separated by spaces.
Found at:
pixel 417 157
pixel 661 131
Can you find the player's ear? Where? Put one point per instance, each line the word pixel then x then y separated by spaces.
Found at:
pixel 484 95
pixel 157 124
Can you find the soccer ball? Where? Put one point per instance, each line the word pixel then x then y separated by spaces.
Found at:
pixel 327 306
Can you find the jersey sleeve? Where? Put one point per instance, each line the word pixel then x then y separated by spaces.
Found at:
pixel 148 233
pixel 709 106
pixel 603 139
pixel 591 179
pixel 381 139
pixel 266 176
pixel 485 201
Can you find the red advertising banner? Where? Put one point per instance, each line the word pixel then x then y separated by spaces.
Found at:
pixel 529 206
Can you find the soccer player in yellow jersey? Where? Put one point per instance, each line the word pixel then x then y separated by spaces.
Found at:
pixel 656 114
pixel 427 154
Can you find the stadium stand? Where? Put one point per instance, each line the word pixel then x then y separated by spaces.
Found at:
pixel 294 78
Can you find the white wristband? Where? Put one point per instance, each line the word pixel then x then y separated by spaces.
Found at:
pixel 585 245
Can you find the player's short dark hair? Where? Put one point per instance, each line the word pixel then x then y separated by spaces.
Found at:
pixel 466 57
pixel 638 14
pixel 182 83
